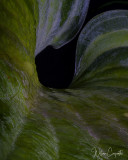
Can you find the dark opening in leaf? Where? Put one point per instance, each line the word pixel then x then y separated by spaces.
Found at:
pixel 55 67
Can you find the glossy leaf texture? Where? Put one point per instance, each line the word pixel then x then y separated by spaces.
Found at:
pixel 38 123
pixel 59 22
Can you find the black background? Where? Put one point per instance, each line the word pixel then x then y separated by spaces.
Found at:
pixel 55 67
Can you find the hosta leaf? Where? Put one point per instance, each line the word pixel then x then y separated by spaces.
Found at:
pixel 101 79
pixel 105 32
pixel 18 22
pixel 26 131
pixel 59 21
pixel 37 123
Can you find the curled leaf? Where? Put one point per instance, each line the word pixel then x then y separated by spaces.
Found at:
pixel 38 123
pixel 59 22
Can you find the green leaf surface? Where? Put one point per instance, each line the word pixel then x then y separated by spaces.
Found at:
pixel 59 22
pixel 38 123
pixel 101 76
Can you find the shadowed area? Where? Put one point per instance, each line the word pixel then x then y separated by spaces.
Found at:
pixel 55 67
